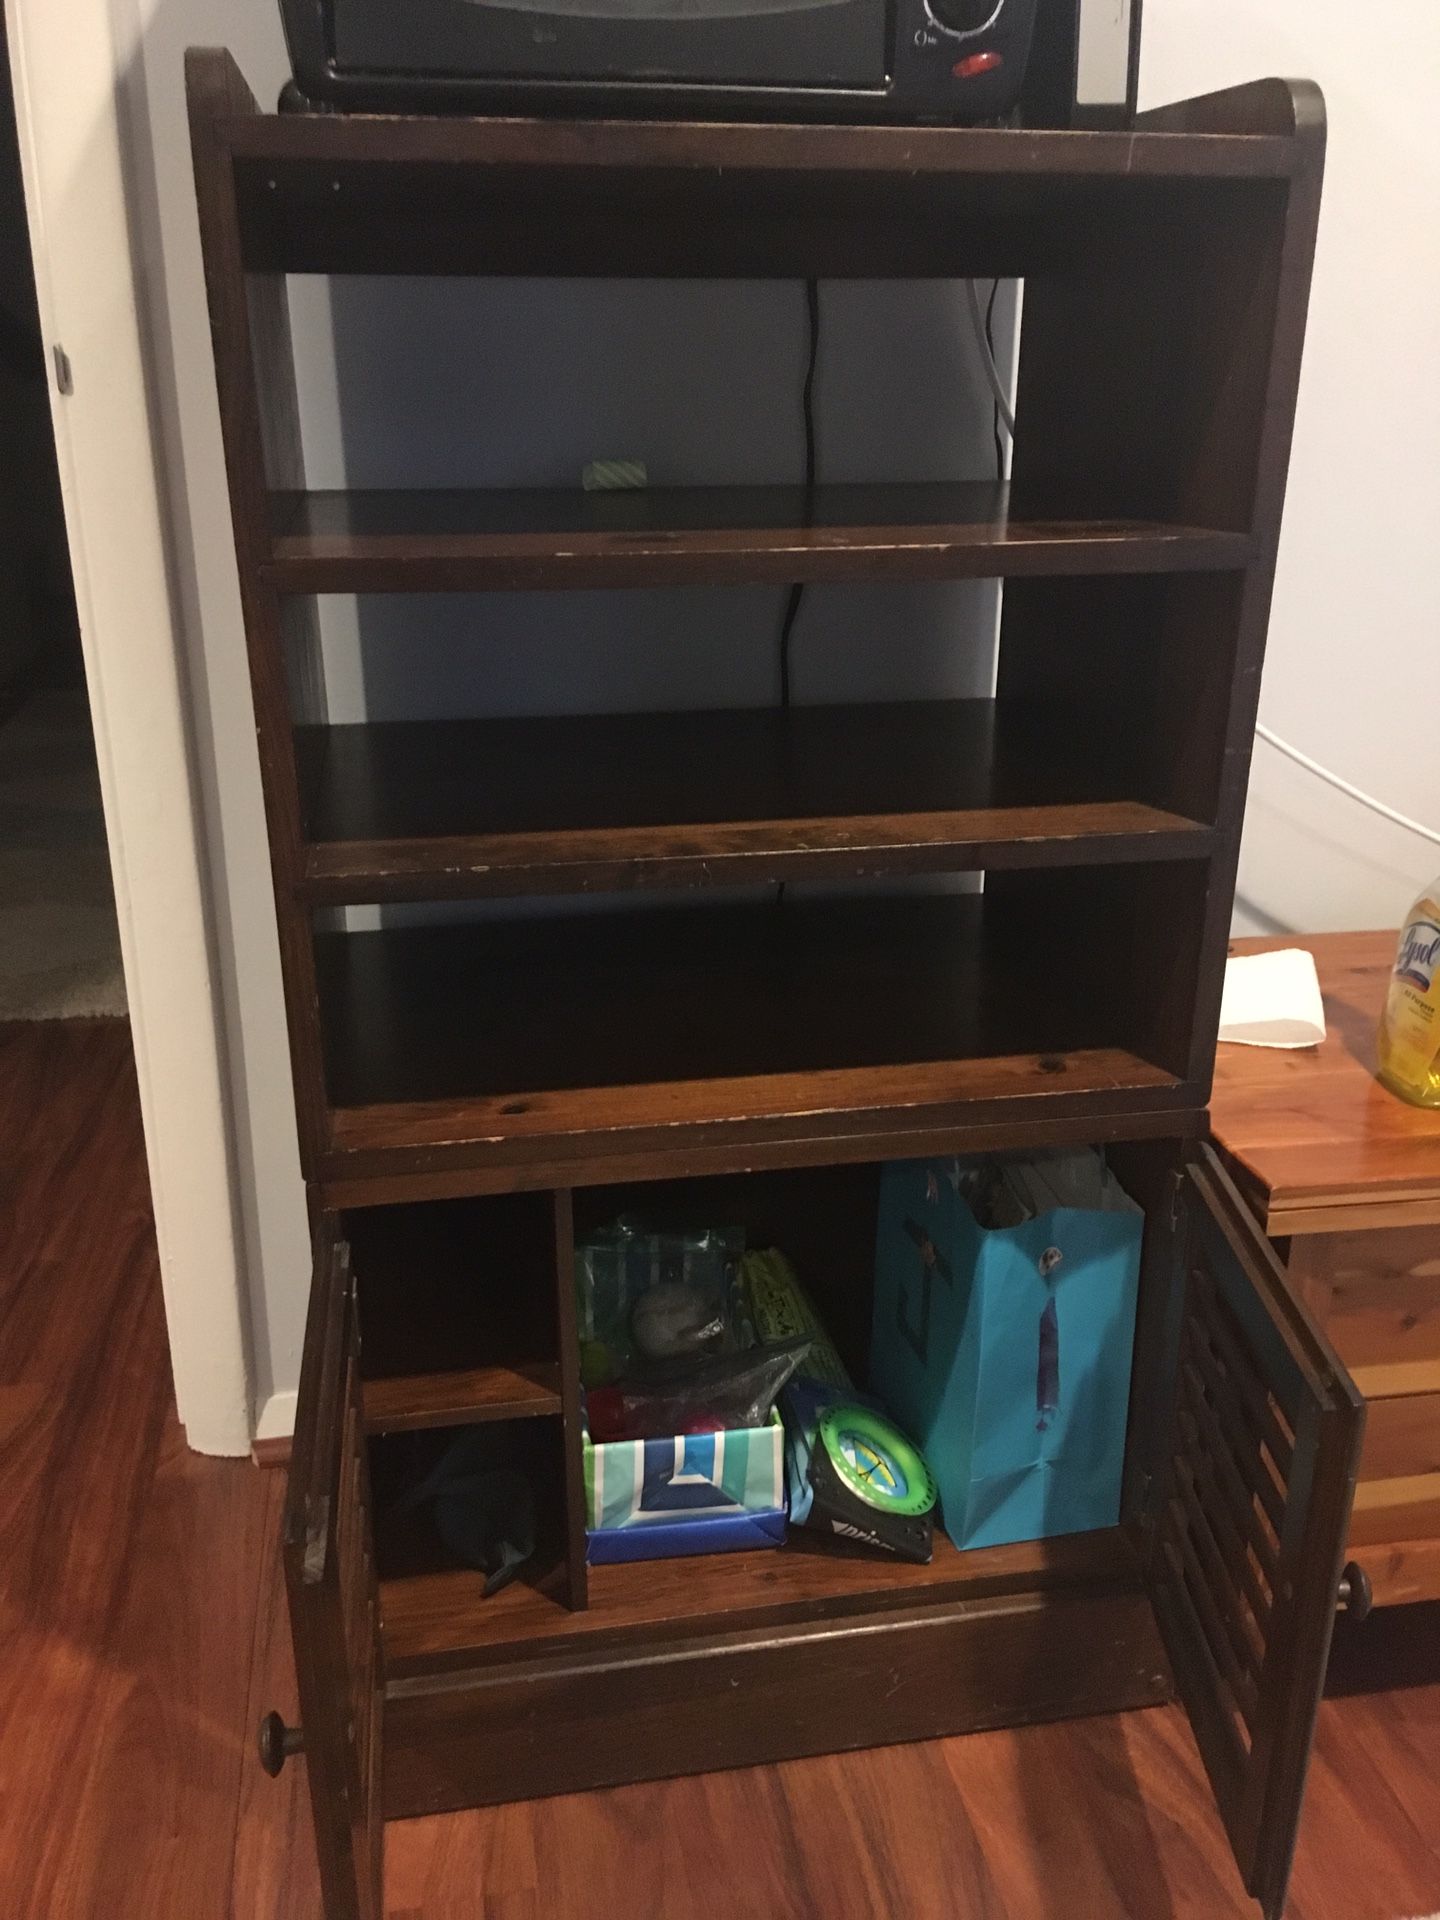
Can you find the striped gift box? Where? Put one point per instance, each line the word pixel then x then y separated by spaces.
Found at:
pixel 687 1493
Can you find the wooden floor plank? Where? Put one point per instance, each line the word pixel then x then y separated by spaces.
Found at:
pixel 162 1756
pixel 143 1622
pixel 129 1579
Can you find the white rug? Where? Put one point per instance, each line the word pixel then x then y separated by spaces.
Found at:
pixel 59 944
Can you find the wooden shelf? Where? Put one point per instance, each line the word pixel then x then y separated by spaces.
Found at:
pixel 352 193
pixel 1261 145
pixel 434 1618
pixel 440 809
pixel 462 1397
pixel 457 1307
pixel 523 538
pixel 527 1039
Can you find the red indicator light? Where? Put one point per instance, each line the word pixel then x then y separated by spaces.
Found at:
pixel 975 63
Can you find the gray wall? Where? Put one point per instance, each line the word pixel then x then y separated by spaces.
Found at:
pixel 443 383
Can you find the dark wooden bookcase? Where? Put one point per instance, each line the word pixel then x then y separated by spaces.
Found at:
pixel 472 1095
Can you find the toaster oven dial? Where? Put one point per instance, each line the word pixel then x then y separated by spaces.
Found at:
pixel 964 17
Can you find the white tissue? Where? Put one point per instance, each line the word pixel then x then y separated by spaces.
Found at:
pixel 1272 1000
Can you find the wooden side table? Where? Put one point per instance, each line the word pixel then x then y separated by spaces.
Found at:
pixel 1345 1179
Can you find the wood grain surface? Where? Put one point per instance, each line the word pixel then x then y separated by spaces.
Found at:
pixel 509 540
pixel 1262 117
pixel 145 1635
pixel 1319 1142
pixel 504 1733
pixel 457 1313
pixel 131 1566
pixel 1351 1174
pixel 1402 1572
pixel 1378 1293
pixel 511 195
pixel 595 803
pixel 1404 1508
pixel 1265 1442
pixel 463 1396
pixel 330 1579
pixel 1402 1437
pixel 436 1616
pixel 527 1043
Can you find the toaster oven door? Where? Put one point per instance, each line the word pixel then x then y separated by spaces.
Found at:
pixel 757 43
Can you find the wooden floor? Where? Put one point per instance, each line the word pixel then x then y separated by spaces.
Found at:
pixel 143 1635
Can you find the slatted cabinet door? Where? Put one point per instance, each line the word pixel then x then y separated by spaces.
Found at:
pixel 334 1601
pixel 1254 1505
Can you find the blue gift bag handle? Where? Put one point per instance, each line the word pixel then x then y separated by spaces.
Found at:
pixel 1047 1368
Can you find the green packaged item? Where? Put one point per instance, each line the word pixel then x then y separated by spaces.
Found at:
pixel 849 1471
pixel 782 1310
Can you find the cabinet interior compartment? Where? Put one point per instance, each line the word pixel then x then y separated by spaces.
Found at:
pixel 457 1310
pixel 410 1549
pixel 434 1616
pixel 534 1027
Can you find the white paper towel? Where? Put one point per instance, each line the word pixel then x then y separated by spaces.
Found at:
pixel 1272 1000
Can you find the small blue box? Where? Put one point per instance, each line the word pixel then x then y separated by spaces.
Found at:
pixel 685 1494
pixel 1006 1353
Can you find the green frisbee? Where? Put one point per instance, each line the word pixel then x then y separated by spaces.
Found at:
pixel 875 1462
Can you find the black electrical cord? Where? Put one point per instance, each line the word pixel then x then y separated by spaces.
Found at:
pixel 994 404
pixel 807 408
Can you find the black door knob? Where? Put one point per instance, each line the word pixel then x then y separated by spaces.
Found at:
pixel 277 1742
pixel 1356 1595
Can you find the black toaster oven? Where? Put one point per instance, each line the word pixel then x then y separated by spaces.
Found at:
pixel 1052 62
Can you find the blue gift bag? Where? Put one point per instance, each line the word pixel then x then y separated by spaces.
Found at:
pixel 1005 1350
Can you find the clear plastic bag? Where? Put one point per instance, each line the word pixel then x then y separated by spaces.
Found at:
pixel 736 1390
pixel 646 1300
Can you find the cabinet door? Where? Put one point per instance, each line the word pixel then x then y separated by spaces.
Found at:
pixel 1257 1477
pixel 334 1603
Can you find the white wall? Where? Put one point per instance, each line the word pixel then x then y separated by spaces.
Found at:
pixel 1352 675
pixel 274 1232
pixel 446 383
pixel 65 59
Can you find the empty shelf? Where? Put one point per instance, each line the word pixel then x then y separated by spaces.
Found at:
pixel 524 1041
pixel 511 539
pixel 432 810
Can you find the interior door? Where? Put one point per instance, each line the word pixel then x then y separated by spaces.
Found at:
pixel 1255 1494
pixel 334 1601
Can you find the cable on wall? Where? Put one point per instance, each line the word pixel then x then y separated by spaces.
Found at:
pixel 992 372
pixel 807 413
pixel 807 410
pixel 994 403
pixel 1344 786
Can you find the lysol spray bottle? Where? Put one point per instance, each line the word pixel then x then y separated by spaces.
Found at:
pixel 1409 1045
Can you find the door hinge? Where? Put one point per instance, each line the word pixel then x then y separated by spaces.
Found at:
pixel 64 372
pixel 1177 1187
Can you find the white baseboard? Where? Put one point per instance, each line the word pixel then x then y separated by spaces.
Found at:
pixel 276 1419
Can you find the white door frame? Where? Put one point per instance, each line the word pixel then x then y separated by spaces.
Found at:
pixel 66 102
